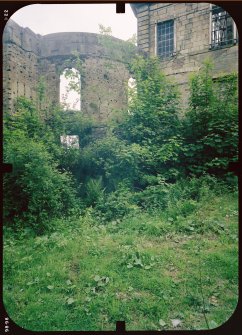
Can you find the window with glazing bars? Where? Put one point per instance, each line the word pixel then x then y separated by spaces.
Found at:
pixel 222 30
pixel 165 39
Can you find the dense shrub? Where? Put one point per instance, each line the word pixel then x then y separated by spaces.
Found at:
pixel 152 121
pixel 94 191
pixel 113 159
pixel 117 204
pixel 177 200
pixel 193 188
pixel 153 197
pixel 35 191
pixel 210 128
pixel 140 164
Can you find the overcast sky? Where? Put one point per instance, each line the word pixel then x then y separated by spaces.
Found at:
pixel 47 18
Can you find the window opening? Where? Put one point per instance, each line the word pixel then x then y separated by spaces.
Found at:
pixel 223 30
pixel 165 39
pixel 70 89
pixel 70 141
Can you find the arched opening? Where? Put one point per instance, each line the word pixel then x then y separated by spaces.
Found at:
pixel 70 89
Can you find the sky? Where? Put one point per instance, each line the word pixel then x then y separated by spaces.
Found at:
pixel 50 18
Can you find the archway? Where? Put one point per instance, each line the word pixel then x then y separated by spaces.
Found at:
pixel 70 89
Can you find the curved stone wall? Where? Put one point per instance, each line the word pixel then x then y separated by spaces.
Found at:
pixel 86 44
pixel 28 57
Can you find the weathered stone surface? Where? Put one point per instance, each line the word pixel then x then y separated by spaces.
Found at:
pixel 192 38
pixel 28 56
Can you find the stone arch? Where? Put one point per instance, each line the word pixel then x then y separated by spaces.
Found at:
pixel 104 73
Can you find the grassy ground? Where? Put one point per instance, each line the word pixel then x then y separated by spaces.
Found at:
pixel 155 272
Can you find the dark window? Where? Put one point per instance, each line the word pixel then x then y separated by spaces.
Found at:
pixel 222 29
pixel 165 39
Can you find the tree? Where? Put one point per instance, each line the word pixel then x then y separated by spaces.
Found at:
pixel 152 120
pixel 37 189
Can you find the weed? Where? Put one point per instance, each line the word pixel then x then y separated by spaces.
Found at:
pixel 142 268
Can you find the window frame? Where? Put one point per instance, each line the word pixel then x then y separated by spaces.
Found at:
pixel 227 43
pixel 174 38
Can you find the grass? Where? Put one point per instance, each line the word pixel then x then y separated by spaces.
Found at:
pixel 148 270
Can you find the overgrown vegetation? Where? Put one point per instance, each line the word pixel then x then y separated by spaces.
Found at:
pixel 154 195
pixel 144 269
pixel 210 129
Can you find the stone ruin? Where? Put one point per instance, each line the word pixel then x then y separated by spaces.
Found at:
pixel 27 57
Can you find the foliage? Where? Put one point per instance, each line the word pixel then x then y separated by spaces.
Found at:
pixel 137 164
pixel 152 115
pixel 93 191
pixel 105 30
pixel 117 204
pixel 25 120
pixel 143 269
pixel 120 50
pixel 123 208
pixel 154 197
pixel 195 188
pixel 132 39
pixel 210 128
pixel 152 120
pixel 73 76
pixel 112 159
pixel 36 190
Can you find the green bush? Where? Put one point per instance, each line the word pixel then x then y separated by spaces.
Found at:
pixel 210 128
pixel 139 164
pixel 152 121
pixel 94 191
pixel 181 196
pixel 113 159
pixel 117 204
pixel 192 188
pixel 36 190
pixel 153 197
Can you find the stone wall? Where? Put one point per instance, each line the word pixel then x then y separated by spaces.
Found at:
pixel 192 30
pixel 29 57
pixel 20 64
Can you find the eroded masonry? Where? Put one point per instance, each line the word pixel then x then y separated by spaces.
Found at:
pixel 184 35
pixel 181 35
pixel 29 57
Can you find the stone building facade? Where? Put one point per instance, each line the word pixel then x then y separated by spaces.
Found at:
pixel 184 35
pixel 27 57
